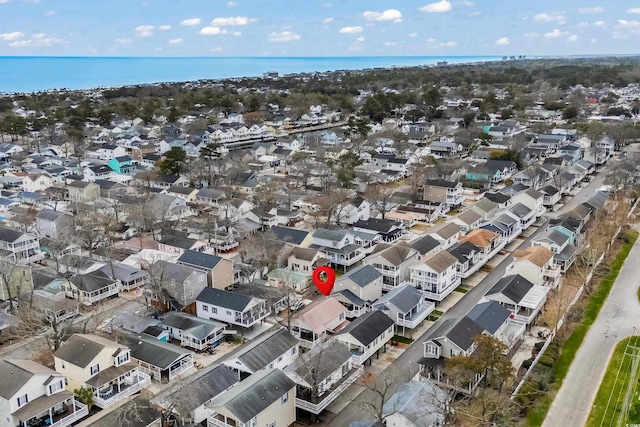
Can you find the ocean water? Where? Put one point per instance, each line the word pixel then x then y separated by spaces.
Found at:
pixel 32 74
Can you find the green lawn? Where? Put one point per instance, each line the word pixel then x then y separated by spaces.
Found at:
pixel 572 344
pixel 613 389
pixel 461 289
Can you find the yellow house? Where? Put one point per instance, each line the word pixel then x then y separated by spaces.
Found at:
pixel 101 365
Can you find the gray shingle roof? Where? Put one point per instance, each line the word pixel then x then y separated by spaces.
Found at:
pixel 403 298
pixel 289 235
pixel 368 327
pixel 202 389
pixel 264 349
pixel 513 287
pixel 199 259
pixel 490 315
pixel 9 235
pixel 153 351
pixel 80 350
pixel 93 281
pixel 196 326
pixel 324 233
pixel 226 299
pixel 362 275
pixel 425 244
pixel 248 398
pixel 16 373
pixel 50 215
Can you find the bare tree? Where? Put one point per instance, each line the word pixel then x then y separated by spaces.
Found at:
pixel 381 199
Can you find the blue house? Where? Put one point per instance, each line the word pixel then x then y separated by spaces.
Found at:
pixel 122 165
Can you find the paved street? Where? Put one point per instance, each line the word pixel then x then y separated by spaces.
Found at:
pixel 619 315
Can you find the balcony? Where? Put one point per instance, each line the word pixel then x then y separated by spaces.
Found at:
pixel 356 311
pixel 415 317
pixel 330 395
pixel 99 295
pixel 220 420
pixel 123 386
pixel 444 292
pixel 65 413
pixel 250 320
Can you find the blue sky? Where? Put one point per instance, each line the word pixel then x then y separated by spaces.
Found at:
pixel 318 28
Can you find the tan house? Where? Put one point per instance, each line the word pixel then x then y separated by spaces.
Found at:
pixel 35 182
pixel 219 270
pixel 536 264
pixel 101 365
pixel 393 262
pixel 266 398
pixel 189 194
pixel 487 240
pixel 83 191
pixel 305 260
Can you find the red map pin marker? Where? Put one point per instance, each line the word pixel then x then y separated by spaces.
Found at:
pixel 324 284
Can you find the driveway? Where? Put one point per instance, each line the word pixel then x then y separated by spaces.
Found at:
pixel 618 316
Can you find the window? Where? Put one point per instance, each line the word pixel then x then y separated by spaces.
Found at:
pixel 431 349
pixel 63 365
pixel 201 278
pixel 57 386
pixel 22 400
pixel 95 369
pixel 123 358
pixel 205 308
pixel 214 310
pixel 229 313
pixel 285 398
pixel 270 365
pixel 272 424
pixel 253 422
pixel 280 359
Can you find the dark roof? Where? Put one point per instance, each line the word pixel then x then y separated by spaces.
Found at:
pixel 202 389
pixel 404 298
pixel 250 397
pixel 549 190
pixel 441 183
pixel 199 259
pixel 377 224
pixel 463 251
pixel 49 215
pixel 92 281
pixel 463 333
pixel 289 235
pixel 227 299
pixel 9 235
pixel 490 315
pixel 424 244
pixel 177 241
pixel 513 287
pixel 153 351
pixel 362 275
pixel 498 198
pixel 80 350
pixel 368 327
pixel 264 349
pixel 306 254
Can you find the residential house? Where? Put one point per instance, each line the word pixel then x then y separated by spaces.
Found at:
pixel 486 208
pixel 338 246
pixel 406 305
pixel 266 398
pixel 550 196
pixel 305 260
pixel 110 189
pixel 570 226
pixel 293 236
pixel 352 211
pixel 129 277
pixel 393 262
pixel 158 180
pixel 445 149
pixel 416 404
pixel 83 191
pixel 274 348
pixel 357 289
pixel 536 264
pixel 53 224
pixel 438 190
pixel 317 320
pixel 497 321
pixel 31 394
pixel 210 196
pixel 190 331
pixel 507 225
pixel 246 183
pixel 502 200
pixel 470 258
pixel 122 165
pixel 529 177
pixel 388 230
pixel 425 245
pixel 100 365
pixel 446 233
pixel 188 194
pixel 196 393
pixel 95 172
pixel 322 374
pixel 603 150
pixel 230 307
pixel 532 199
pixel 574 151
pixel 35 182
pixel 367 335
pixel 488 241
pixel 523 213
pixel 160 360
pixel 524 299
pixel 219 270
pixel 178 245
pixel 91 287
pixel 560 244
pixel 468 220
pixel 174 286
pixel 435 275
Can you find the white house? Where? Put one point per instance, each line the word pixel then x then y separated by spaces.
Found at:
pixel 230 307
pixel 435 275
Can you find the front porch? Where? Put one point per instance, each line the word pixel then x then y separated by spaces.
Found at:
pixel 417 314
pixel 307 338
pixel 303 395
pixel 90 298
pixel 57 410
pixel 116 383
pixel 433 370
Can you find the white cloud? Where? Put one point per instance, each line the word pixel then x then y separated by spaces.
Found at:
pixel 360 39
pixel 430 40
pixel 503 41
pixel 283 37
pixel 124 41
pixel 4 1
pixel 237 33
pixel 413 35
pixel 558 17
pixel 624 28
pixel 144 30
pixel 11 36
pixel 164 27
pixel 583 25
pixel 215 49
pixel 600 24
pixel 232 20
pixel 391 44
pixel 448 44
pixel 232 4
pixel 388 15
pixel 467 3
pixel 44 42
pixel 572 38
pixel 553 34
pixel 633 10
pixel 355 48
pixel 175 41
pixel 190 22
pixel 437 7
pixel 351 30
pixel 212 31
pixel 38 35
pixel 327 20
pixel 50 12
pixel 591 10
